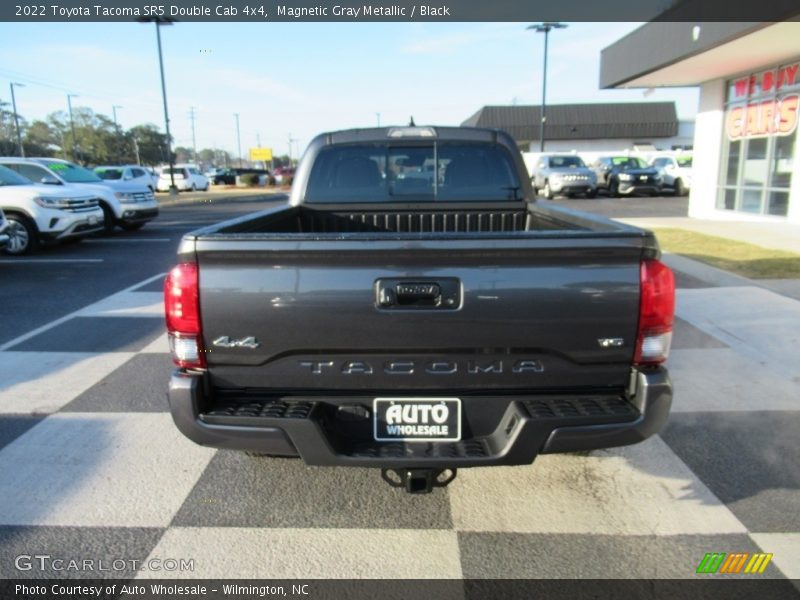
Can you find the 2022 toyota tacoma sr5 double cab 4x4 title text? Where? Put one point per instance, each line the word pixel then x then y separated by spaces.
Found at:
pixel 414 309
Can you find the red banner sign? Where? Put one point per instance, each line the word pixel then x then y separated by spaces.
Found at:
pixel 759 119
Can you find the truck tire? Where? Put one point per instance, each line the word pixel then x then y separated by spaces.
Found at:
pixel 23 235
pixel 613 188
pixel 680 189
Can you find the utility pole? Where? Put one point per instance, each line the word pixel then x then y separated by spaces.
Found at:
pixel 16 119
pixel 136 149
pixel 72 123
pixel 238 140
pixel 291 139
pixel 116 125
pixel 194 141
pixel 114 111
pixel 377 114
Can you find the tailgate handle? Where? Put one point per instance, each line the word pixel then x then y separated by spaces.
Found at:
pixel 401 293
pixel 411 293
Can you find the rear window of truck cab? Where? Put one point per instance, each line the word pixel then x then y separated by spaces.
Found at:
pixel 421 171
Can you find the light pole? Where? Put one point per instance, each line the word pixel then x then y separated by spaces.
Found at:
pixel 545 29
pixel 72 123
pixel 173 191
pixel 116 126
pixel 16 118
pixel 194 140
pixel 238 140
pixel 377 114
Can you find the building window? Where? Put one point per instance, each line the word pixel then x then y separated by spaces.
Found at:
pixel 760 142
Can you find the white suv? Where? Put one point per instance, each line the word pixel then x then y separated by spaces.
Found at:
pixel 186 177
pixel 128 205
pixel 115 175
pixel 40 213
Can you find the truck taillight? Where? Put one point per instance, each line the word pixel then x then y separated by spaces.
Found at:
pixel 656 313
pixel 182 306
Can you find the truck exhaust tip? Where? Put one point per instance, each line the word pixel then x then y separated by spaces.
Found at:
pixel 418 481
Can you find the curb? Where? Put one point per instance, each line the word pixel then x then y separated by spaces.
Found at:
pixel 266 195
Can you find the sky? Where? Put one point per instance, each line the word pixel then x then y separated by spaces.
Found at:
pixel 300 79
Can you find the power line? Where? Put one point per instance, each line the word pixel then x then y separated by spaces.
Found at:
pixel 84 93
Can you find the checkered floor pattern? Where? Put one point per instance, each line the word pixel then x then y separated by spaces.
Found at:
pixel 91 466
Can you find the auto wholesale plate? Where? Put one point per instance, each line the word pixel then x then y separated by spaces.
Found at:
pixel 417 419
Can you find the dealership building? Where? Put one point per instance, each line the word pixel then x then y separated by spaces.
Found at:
pixel 590 127
pixel 746 150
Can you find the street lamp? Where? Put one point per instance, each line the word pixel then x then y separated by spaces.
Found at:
pixel 16 118
pixel 173 191
pixel 238 140
pixel 72 124
pixel 545 29
pixel 377 114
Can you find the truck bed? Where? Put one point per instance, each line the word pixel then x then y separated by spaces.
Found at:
pixel 416 219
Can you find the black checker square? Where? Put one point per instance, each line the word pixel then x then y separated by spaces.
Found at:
pixel 93 548
pixel 240 490
pixel 96 334
pixel 748 459
pixel 139 385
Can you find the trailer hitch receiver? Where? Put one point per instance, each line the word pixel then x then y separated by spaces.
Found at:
pixel 418 481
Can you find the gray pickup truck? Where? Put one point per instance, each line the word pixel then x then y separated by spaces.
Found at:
pixel 412 308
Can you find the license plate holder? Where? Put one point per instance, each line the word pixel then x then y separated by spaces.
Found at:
pixel 416 419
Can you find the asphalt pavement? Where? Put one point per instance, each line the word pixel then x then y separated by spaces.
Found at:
pixel 91 465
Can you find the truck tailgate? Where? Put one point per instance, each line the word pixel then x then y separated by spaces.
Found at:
pixel 527 312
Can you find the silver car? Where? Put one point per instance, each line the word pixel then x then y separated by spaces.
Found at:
pixel 564 174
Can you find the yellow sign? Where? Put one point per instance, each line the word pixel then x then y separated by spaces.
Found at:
pixel 264 154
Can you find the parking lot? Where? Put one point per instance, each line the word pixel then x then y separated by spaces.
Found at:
pixel 91 464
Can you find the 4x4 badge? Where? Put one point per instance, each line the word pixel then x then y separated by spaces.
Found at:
pixel 226 342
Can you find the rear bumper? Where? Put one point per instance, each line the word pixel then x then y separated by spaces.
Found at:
pixel 521 434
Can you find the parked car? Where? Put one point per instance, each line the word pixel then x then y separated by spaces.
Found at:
pixel 283 175
pixel 465 325
pixel 211 173
pixel 128 205
pixel 625 176
pixel 228 176
pixel 3 230
pixel 564 174
pixel 43 213
pixel 675 171
pixel 114 175
pixel 187 178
